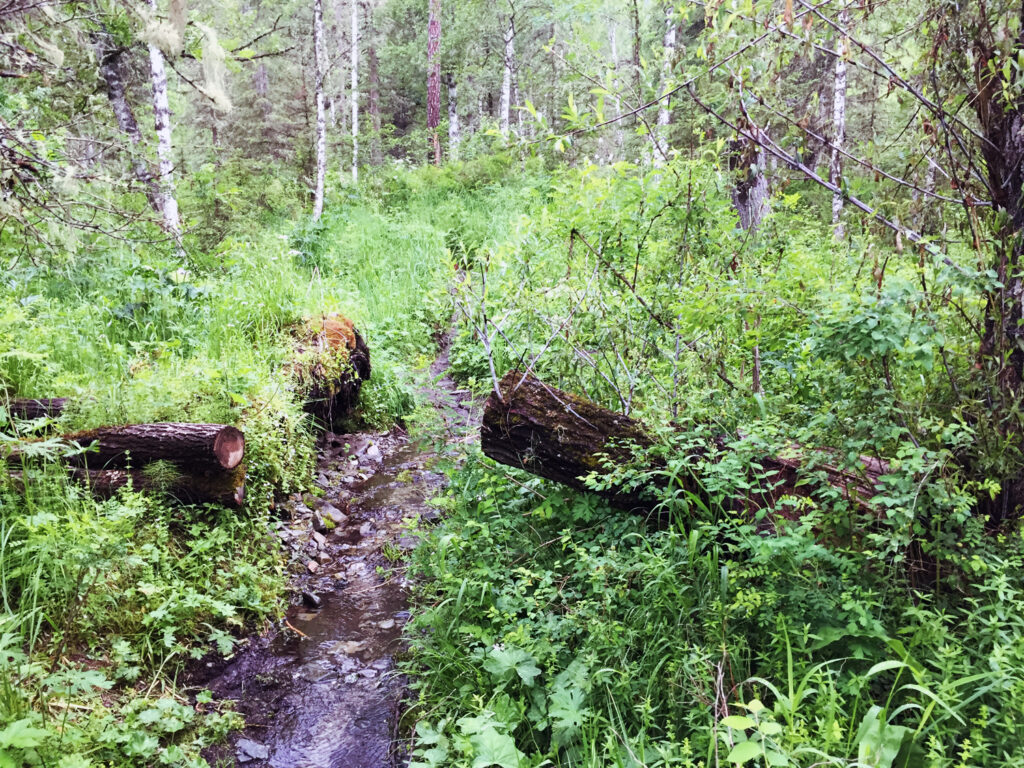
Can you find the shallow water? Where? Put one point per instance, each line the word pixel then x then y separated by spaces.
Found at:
pixel 321 690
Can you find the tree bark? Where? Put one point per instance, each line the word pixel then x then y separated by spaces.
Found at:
pixel 355 91
pixel 665 105
pixel 454 131
pixel 839 125
pixel 508 61
pixel 162 120
pixel 201 446
pixel 339 40
pixel 373 94
pixel 330 363
pixel 564 437
pixel 110 58
pixel 321 127
pixel 434 77
pixel 225 487
pixel 32 408
pixel 750 195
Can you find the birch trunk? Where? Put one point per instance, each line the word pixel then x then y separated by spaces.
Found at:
pixel 434 76
pixel 665 105
pixel 750 195
pixel 613 41
pixel 373 95
pixel 355 91
pixel 340 43
pixel 505 108
pixel 110 70
pixel 839 126
pixel 454 131
pixel 321 127
pixel 162 120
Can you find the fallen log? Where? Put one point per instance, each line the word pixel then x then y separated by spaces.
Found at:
pixel 36 408
pixel 330 364
pixel 564 437
pixel 203 447
pixel 225 487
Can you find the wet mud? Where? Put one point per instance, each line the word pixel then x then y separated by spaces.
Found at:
pixel 321 689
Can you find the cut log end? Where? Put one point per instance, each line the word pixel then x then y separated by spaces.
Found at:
pixel 229 447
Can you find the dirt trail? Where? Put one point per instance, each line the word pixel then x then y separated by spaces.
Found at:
pixel 321 691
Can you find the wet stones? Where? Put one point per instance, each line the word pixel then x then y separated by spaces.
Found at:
pixel 312 600
pixel 247 750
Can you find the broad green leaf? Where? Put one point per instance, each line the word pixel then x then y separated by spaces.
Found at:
pixel 21 734
pixel 744 752
pixel 493 748
pixel 741 722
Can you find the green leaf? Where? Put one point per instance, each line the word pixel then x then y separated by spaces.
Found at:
pixel 741 722
pixel 21 734
pixel 493 748
pixel 744 752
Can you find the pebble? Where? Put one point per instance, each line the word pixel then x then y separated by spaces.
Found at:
pixel 312 599
pixel 366 529
pixel 247 749
pixel 335 515
pixel 318 523
pixel 312 566
pixel 320 539
pixel 387 624
pixel 373 454
pixel 324 557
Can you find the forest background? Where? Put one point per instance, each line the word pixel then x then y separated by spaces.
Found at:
pixel 794 224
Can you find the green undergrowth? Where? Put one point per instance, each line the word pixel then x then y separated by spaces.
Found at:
pixel 882 631
pixel 105 603
pixel 556 630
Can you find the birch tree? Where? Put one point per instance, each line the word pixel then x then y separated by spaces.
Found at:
pixel 434 76
pixel 454 130
pixel 162 119
pixel 665 105
pixel 355 90
pixel 508 66
pixel 321 127
pixel 839 122
pixel 373 84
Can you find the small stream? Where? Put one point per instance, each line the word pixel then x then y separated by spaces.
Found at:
pixel 321 690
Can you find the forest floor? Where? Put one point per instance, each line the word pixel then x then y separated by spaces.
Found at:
pixel 321 689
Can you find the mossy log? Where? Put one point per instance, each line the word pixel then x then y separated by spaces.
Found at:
pixel 206 447
pixel 330 364
pixel 36 408
pixel 564 437
pixel 225 487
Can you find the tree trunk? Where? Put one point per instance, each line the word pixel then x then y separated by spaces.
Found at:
pixel 110 57
pixel 454 132
pixel 321 127
pixel 373 95
pixel 635 60
pixel 355 90
pixel 665 105
pixel 329 365
pixel 224 487
pixel 30 408
pixel 434 77
pixel 564 437
pixel 839 125
pixel 339 65
pixel 750 195
pixel 199 446
pixel 508 60
pixel 162 120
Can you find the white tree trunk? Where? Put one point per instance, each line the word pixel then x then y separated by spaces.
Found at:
pixel 321 128
pixel 454 130
pixel 620 137
pixel 339 67
pixel 505 108
pixel 162 119
pixel 750 195
pixel 665 105
pixel 355 91
pixel 839 126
